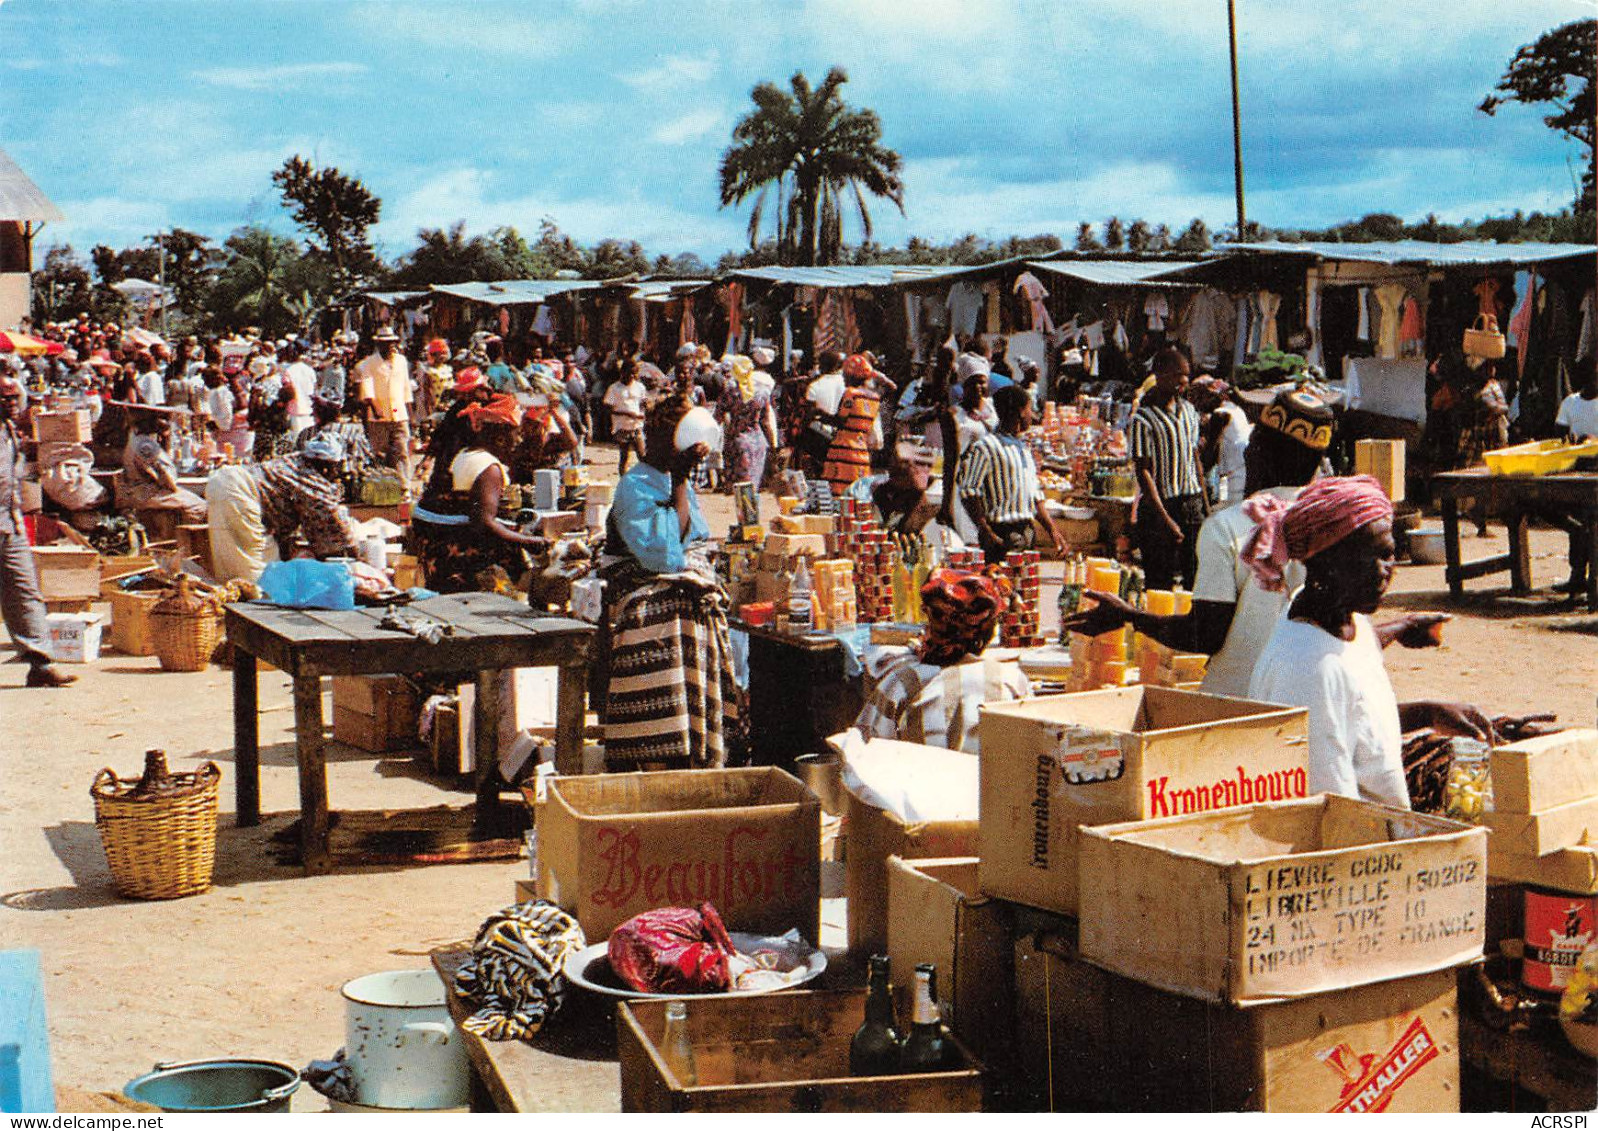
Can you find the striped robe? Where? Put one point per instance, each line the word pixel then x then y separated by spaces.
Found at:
pixel 930 705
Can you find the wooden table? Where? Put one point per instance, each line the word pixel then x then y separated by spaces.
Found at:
pixel 488 633
pixel 1518 498
pixel 570 1066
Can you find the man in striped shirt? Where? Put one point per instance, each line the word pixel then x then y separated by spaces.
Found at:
pixel 998 482
pixel 1163 440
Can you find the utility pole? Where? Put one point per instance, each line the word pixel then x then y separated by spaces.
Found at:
pixel 1237 121
pixel 160 237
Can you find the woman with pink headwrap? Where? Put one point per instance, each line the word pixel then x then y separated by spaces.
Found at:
pixel 1324 654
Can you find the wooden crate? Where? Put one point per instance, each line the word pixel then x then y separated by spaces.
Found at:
pixel 1537 834
pixel 786 1052
pixel 194 541
pixel 377 713
pixel 67 573
pixel 130 621
pixel 1058 762
pixel 1108 1043
pixel 1284 900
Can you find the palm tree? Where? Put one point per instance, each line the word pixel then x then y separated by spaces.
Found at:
pixel 810 150
pixel 256 278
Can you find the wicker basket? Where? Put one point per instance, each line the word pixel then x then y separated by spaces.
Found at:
pixel 159 831
pixel 185 629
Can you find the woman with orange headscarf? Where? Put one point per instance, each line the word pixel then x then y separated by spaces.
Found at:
pixel 860 432
pixel 456 530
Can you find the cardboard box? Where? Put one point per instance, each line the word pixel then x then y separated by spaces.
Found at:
pixel 793 545
pixel 1108 1043
pixel 377 713
pixel 1543 773
pixel 130 622
pixel 1537 834
pixel 556 523
pixel 1096 757
pixel 74 637
pixel 1283 900
pixel 746 840
pixel 67 573
pixel 1383 459
pixel 1572 871
pixel 875 834
pixel 779 1053
pixel 936 914
pixel 69 426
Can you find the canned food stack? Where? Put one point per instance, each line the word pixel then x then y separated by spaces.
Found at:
pixel 863 542
pixel 1021 625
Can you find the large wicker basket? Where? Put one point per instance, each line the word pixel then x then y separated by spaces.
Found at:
pixel 185 629
pixel 159 830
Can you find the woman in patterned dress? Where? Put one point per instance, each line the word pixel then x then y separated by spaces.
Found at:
pixel 849 458
pixel 749 422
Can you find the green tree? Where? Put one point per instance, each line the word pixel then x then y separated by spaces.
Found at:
pixel 448 256
pixel 261 278
pixel 809 150
pixel 62 288
pixel 1114 234
pixel 191 265
pixel 335 211
pixel 1139 236
pixel 1086 240
pixel 1557 70
pixel 1194 238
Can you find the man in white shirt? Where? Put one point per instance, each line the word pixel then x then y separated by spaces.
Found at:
pixel 383 379
pixel 1578 420
pixel 152 390
pixel 302 379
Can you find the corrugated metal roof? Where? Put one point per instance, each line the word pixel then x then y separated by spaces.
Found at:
pixel 394 298
pixel 1395 252
pixel 661 289
pixel 1115 272
pixel 514 292
pixel 875 275
pixel 20 198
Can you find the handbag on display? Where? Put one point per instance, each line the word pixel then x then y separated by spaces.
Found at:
pixel 1484 339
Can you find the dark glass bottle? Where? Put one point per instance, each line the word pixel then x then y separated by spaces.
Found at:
pixel 923 1049
pixel 874 1051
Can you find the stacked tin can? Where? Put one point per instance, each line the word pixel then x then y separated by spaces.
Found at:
pixel 1022 623
pixel 862 541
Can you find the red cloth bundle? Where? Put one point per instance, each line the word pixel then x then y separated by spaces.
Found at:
pixel 673 950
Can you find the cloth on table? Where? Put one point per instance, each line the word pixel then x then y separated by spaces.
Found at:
pixel 516 973
pixel 935 704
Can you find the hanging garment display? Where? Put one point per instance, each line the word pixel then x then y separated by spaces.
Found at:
pixel 1208 329
pixel 685 330
pixel 1156 309
pixel 912 324
pixel 1411 329
pixel 544 321
pixel 828 333
pixel 990 302
pixel 1389 296
pixel 1031 288
pixel 1312 292
pixel 1487 296
pixel 1520 324
pixel 1245 329
pixel 964 304
pixel 732 299
pixel 1268 304
pixel 1362 331
pixel 848 327
pixel 1589 315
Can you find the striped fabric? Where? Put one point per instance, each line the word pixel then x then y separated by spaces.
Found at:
pixel 849 458
pixel 999 471
pixel 1168 438
pixel 295 498
pixel 937 706
pixel 672 686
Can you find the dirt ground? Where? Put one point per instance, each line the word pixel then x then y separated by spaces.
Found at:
pixel 253 967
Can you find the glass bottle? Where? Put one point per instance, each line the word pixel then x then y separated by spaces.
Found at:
pixel 874 1050
pixel 801 607
pixel 676 1048
pixel 923 1049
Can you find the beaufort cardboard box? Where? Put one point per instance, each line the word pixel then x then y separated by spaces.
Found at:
pixel 1283 900
pixel 936 914
pixel 1096 757
pixel 1108 1043
pixel 746 840
pixel 874 835
pixel 1544 773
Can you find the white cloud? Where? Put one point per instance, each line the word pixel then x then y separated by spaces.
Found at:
pixel 673 71
pixel 275 78
pixel 690 127
pixel 472 29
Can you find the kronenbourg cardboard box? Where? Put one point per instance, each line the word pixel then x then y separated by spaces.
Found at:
pixel 1107 1043
pixel 1547 772
pixel 747 841
pixel 1283 900
pixel 937 915
pixel 1122 754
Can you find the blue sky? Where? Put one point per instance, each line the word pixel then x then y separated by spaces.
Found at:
pixel 1013 116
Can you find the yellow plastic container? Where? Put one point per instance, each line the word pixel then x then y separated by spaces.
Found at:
pixel 1541 457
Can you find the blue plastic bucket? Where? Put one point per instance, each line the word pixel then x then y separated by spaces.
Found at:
pixel 216 1085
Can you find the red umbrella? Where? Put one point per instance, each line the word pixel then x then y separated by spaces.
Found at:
pixel 14 341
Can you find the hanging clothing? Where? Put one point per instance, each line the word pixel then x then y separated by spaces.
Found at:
pixel 1589 326
pixel 1269 304
pixel 1031 289
pixel 1362 331
pixel 1411 328
pixel 544 321
pixel 685 330
pixel 912 324
pixel 990 298
pixel 1388 298
pixel 848 327
pixel 1245 329
pixel 963 304
pixel 1312 290
pixel 732 297
pixel 1519 330
pixel 1156 308
pixel 1487 294
pixel 1208 330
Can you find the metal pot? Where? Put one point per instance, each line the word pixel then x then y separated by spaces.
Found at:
pixel 403 1049
pixel 216 1085
pixel 1426 546
pixel 823 773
